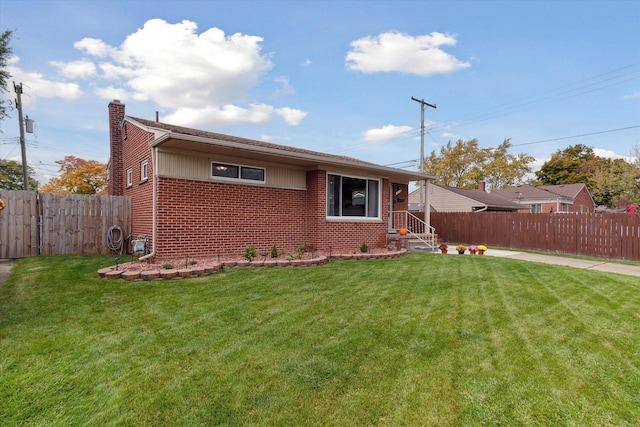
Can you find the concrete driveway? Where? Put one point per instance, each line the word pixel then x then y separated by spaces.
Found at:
pixel 598 265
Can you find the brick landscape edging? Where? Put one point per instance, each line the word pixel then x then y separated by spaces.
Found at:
pixel 121 271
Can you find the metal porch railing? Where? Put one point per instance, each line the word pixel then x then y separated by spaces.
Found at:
pixel 416 228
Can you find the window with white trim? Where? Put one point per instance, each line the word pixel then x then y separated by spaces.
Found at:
pixel 144 171
pixel 129 177
pixel 353 197
pixel 237 172
pixel 536 208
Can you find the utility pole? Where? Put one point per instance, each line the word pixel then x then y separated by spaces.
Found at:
pixel 423 105
pixel 25 176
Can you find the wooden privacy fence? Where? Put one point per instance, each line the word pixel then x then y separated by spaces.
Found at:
pixel 57 224
pixel 613 236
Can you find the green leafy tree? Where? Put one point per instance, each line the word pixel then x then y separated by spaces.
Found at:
pixel 78 176
pixel 612 183
pixel 5 53
pixel 11 176
pixel 503 169
pixel 463 163
pixel 575 164
pixel 456 164
pixel 615 183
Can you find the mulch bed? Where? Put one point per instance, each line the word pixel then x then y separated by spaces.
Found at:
pixel 204 266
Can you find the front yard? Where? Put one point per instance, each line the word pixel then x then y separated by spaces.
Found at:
pixel 421 340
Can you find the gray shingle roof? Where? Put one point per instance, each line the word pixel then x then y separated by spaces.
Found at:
pixel 222 137
pixel 491 200
pixel 544 192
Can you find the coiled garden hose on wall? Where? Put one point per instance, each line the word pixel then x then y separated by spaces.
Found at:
pixel 115 239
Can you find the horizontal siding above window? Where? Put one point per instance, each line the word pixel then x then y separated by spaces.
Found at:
pixel 185 166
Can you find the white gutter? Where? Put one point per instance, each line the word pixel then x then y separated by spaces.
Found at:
pixel 154 157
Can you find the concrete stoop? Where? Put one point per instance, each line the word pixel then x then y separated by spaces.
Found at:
pixel 415 245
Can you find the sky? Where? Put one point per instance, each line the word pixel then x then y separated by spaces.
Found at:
pixel 331 76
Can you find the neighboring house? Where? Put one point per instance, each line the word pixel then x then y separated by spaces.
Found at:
pixel 452 199
pixel 198 193
pixel 551 198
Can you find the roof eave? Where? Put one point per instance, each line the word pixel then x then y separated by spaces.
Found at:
pixel 310 158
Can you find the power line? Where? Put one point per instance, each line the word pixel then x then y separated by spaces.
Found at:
pixel 576 136
pixel 546 97
pixel 581 87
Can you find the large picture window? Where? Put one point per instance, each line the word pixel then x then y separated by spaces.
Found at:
pixel 352 197
pixel 245 173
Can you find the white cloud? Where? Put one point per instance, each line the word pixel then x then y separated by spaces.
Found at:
pixel 634 95
pixel 113 72
pixel 36 85
pixel 232 115
pixel 93 47
pixel 177 68
pixel 387 133
pixel 396 52
pixel 81 69
pixel 306 62
pixel 285 89
pixel 271 138
pixel 608 154
pixel 198 77
pixel 290 115
pixel 112 92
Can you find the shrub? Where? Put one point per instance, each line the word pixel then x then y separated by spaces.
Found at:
pixel 364 247
pixel 250 253
pixel 274 252
pixel 167 266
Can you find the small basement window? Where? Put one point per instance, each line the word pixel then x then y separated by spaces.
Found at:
pixel 237 172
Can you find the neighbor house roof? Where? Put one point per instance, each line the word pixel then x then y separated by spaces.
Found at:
pixel 485 200
pixel 453 199
pixel 566 190
pixel 178 137
pixel 529 192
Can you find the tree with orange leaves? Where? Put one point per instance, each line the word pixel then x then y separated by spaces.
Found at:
pixel 78 176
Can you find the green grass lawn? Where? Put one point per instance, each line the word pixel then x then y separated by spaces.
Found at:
pixel 422 340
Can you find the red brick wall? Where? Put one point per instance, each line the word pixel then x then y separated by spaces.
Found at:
pixel 400 200
pixel 204 218
pixel 135 150
pixel 116 115
pixel 341 236
pixel 583 200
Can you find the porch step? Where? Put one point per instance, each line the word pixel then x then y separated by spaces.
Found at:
pixel 415 245
pixel 411 243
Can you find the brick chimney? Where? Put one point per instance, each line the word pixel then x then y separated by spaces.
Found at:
pixel 116 116
pixel 482 185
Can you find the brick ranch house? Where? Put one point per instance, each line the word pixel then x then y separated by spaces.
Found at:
pixel 551 198
pixel 200 193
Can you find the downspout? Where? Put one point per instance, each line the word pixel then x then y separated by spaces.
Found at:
pixel 390 219
pixel 154 157
pixel 427 203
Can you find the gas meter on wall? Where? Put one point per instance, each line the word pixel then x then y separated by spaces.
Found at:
pixel 138 246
